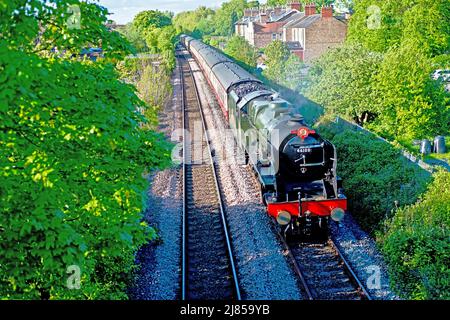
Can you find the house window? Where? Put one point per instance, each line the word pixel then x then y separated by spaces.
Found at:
pixel 274 36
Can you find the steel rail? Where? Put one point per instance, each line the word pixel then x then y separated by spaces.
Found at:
pixel 217 187
pixel 362 290
pixel 296 266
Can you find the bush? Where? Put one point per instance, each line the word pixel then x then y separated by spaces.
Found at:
pixel 375 176
pixel 416 244
pixel 72 189
pixel 238 48
pixel 151 76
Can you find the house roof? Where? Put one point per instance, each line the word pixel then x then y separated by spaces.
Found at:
pixel 306 21
pixel 294 19
pixel 246 20
pixel 269 27
pixel 284 16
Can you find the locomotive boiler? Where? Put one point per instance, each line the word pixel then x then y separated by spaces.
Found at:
pixel 295 166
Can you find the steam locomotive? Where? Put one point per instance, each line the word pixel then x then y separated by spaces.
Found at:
pixel 295 166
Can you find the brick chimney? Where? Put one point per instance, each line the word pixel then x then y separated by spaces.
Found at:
pixel 310 9
pixel 278 10
pixel 327 12
pixel 295 5
pixel 263 17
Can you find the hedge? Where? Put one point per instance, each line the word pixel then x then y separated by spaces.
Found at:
pixel 416 244
pixel 376 178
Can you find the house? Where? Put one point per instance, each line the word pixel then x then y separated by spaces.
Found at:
pixel 307 34
pixel 315 33
pixel 260 26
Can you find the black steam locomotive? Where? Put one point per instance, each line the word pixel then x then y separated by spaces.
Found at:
pixel 295 166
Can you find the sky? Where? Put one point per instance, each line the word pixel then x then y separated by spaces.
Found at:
pixel 125 10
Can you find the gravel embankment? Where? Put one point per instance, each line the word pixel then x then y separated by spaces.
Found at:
pixel 362 253
pixel 159 276
pixel 263 270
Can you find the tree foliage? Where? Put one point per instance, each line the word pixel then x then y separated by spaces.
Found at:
pixel 198 23
pixel 151 19
pixel 238 48
pixel 205 21
pixel 416 244
pixel 380 25
pixel 341 81
pixel 155 28
pixel 283 67
pixel 228 14
pixel 53 33
pixel 151 76
pixel 152 32
pixel 408 102
pixel 130 32
pixel 276 54
pixel 382 77
pixel 73 152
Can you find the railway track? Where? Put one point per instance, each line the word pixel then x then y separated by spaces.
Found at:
pixel 323 271
pixel 208 267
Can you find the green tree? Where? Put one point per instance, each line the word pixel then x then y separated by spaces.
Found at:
pixel 134 37
pixel 198 22
pixel 428 24
pixel 228 14
pixel 293 73
pixel 410 104
pixel 151 19
pixel 380 25
pixel 342 80
pixel 377 25
pixel 276 54
pixel 73 152
pixel 376 176
pixel 43 26
pixel 205 22
pixel 238 48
